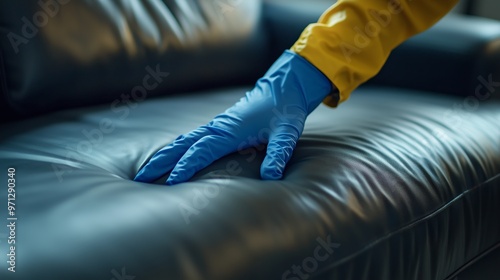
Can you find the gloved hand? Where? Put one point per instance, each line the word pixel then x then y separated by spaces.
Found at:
pixel 272 113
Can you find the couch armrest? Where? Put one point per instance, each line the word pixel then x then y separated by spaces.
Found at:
pixel 455 56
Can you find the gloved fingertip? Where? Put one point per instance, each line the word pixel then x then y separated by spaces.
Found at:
pixel 172 182
pixel 175 179
pixel 271 173
pixel 140 176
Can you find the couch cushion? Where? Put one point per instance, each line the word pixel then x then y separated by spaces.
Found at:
pixel 392 185
pixel 58 53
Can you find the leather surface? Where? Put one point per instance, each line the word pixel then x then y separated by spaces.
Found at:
pixel 62 54
pixel 401 187
pixel 484 266
pixel 199 44
pixel 452 57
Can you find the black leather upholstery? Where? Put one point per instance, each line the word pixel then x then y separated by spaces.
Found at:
pixel 404 192
pixel 454 57
pixel 394 184
pixel 89 52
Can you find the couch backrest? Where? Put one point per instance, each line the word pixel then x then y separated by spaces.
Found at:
pixel 57 54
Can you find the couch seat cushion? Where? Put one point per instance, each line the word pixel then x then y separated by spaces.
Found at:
pixel 394 184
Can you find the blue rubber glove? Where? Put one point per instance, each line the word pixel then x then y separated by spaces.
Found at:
pixel 273 113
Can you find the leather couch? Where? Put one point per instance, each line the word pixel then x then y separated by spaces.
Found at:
pixel 400 182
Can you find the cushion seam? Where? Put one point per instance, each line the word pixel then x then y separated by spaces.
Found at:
pixel 472 261
pixel 408 226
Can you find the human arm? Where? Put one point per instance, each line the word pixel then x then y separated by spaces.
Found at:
pixel 319 56
pixel 353 39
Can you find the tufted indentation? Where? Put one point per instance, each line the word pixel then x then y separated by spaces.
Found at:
pixel 387 175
